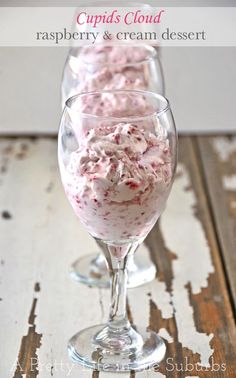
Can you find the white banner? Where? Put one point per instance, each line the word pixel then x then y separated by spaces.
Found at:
pixel 166 26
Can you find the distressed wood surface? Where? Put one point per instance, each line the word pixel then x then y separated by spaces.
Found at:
pixel 41 307
pixel 219 169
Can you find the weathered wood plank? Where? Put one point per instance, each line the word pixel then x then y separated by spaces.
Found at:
pixel 197 321
pixel 218 156
pixel 41 307
pixel 40 237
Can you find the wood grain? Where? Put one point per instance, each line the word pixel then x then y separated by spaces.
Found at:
pixel 218 156
pixel 40 238
pixel 212 312
pixel 188 303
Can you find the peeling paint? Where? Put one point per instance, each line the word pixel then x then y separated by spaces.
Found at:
pixel 54 335
pixel 158 293
pixel 165 334
pixel 229 182
pixel 103 374
pixel 192 266
pixel 162 298
pixel 28 349
pixel 144 374
pixel 224 147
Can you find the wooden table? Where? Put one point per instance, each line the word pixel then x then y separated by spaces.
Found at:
pixel 191 303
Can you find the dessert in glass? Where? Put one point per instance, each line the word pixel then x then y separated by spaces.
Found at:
pixel 106 67
pixel 117 157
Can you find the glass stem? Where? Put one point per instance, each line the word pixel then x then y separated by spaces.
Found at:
pixel 118 320
pixel 118 316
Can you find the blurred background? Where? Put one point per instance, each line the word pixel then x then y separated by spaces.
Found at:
pixel 200 81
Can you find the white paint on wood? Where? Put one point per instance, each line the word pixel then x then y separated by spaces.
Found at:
pixel 18 265
pixel 44 241
pixel 43 237
pixel 229 182
pixel 184 235
pixel 40 241
pixel 224 147
pixel 141 374
pixel 165 334
pixel 162 298
pixel 155 290
pixel 75 305
pixel 103 374
pixel 148 374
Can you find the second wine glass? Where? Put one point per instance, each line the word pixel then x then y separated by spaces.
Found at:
pixel 106 67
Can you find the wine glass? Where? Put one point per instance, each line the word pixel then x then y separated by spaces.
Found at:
pixel 112 67
pixel 117 157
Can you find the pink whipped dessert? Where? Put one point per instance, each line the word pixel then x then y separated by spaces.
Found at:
pixel 109 67
pixel 116 54
pixel 118 180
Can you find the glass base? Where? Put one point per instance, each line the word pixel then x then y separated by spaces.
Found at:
pixel 92 271
pixel 84 349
